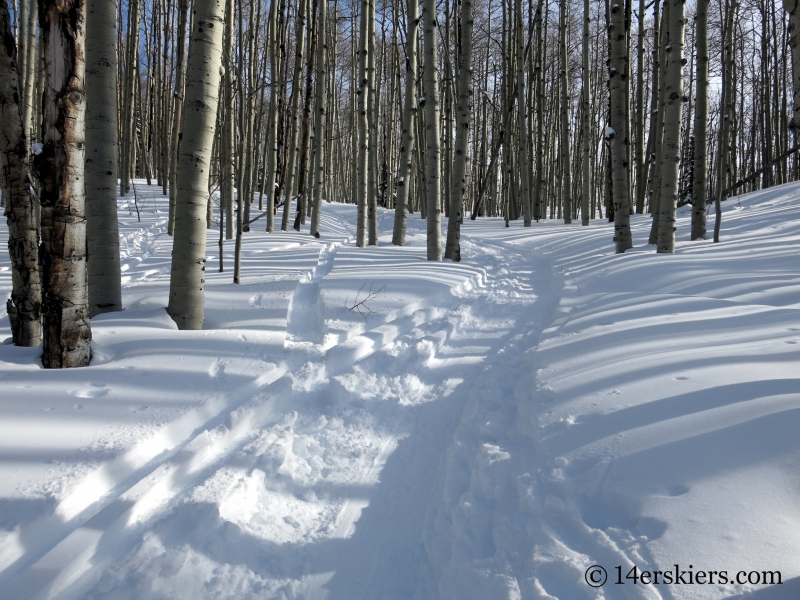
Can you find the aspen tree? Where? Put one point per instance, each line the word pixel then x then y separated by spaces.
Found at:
pixel 409 118
pixel 394 108
pixel 793 8
pixel 131 82
pixel 361 164
pixel 228 125
pixel 260 140
pixel 618 69
pixel 32 57
pixel 320 127
pixel 538 213
pixel 177 111
pixel 24 307
pixel 187 279
pixel 699 184
pixel 294 112
pixel 639 159
pixel 272 125
pixel 659 91
pixel 766 105
pixel 586 142
pixel 240 155
pixel 19 38
pixel 726 113
pixel 372 117
pixel 432 136
pixel 566 173
pixel 303 186
pixel 673 90
pixel 248 107
pixel 522 112
pixel 105 283
pixel 60 167
pixel 446 113
pixel 463 114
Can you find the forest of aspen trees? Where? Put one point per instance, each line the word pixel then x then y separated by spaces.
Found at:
pixel 251 114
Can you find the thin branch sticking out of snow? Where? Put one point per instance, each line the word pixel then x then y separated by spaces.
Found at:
pixel 362 306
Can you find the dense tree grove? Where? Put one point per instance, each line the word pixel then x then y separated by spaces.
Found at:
pixel 245 111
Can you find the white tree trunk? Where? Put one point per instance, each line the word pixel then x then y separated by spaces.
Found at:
pixel 25 305
pixel 372 130
pixel 726 110
pixel 673 89
pixel 618 71
pixel 463 114
pixel 362 165
pixel 586 108
pixel 793 8
pixel 294 114
pixel 433 190
pixel 566 165
pixel 272 124
pixel 187 279
pixel 522 112
pixel 320 127
pixel 105 286
pixel 30 66
pixel 177 113
pixel 65 316
pixel 409 117
pixel 700 167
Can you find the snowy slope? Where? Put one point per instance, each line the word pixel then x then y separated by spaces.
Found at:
pixel 491 430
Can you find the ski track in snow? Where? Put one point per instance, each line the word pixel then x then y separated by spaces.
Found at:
pixel 473 438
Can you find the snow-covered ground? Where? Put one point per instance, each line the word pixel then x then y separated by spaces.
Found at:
pixel 491 430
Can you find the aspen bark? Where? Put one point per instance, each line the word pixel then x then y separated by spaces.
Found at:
pixel 272 124
pixel 19 38
pixel 361 165
pixel 409 118
pixel 239 157
pixel 128 165
pixel 177 113
pixel 586 142
pixel 463 113
pixel 538 213
pixel 673 90
pixel 566 166
pixel 31 63
pixel 372 130
pixel 187 279
pixel 248 106
pixel 320 127
pixel 639 159
pixel 700 168
pixel 432 136
pixel 618 115
pixel 25 305
pixel 793 8
pixel 304 185
pixel 228 126
pixel 659 91
pixel 294 113
pixel 726 114
pixel 105 285
pixel 522 112
pixel 60 166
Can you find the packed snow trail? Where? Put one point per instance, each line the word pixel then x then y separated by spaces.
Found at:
pixel 491 430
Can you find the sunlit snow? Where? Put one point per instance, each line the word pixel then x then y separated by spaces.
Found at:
pixel 490 430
